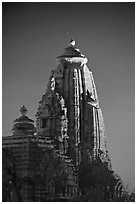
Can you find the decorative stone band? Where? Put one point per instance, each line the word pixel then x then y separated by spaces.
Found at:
pixel 82 60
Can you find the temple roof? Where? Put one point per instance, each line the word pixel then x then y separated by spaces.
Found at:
pixel 71 51
pixel 23 122
pixel 24 118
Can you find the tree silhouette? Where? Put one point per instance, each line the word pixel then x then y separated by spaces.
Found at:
pixel 9 178
pixel 98 182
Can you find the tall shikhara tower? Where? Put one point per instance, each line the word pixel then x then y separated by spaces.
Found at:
pixel 69 112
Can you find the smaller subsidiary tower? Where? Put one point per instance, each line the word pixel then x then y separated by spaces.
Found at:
pixel 32 169
pixel 17 149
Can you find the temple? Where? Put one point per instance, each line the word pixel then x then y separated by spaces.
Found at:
pixel 69 110
pixel 48 162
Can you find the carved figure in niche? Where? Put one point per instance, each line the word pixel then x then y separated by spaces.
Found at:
pixel 65 145
pixel 57 109
pixel 52 83
pixel 47 109
pixel 57 95
pixel 50 101
pixel 62 102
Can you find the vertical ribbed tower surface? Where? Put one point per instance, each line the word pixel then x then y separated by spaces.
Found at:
pixel 69 111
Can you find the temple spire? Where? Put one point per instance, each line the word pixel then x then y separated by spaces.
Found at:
pixel 23 110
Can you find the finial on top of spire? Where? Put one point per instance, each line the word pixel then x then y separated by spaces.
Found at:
pixel 23 110
pixel 72 42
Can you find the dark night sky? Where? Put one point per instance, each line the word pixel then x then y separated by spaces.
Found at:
pixel 34 34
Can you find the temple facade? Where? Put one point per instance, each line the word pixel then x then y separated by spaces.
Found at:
pixel 69 111
pixel 49 161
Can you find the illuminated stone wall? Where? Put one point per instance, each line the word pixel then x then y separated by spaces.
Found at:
pixel 69 111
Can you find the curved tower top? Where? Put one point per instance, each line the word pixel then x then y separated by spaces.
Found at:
pixel 72 54
pixel 23 124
